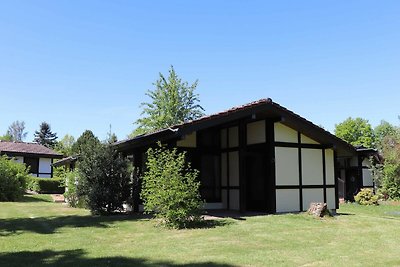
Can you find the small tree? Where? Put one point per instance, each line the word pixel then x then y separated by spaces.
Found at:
pixel 45 136
pixel 105 178
pixel 170 188
pixel 357 132
pixel 17 131
pixel 173 101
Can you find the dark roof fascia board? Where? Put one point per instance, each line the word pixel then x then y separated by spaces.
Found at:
pixel 33 155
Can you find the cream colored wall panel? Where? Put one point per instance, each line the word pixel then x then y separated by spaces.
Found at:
pixel 224 198
pixel 256 132
pixel 367 178
pixel 234 200
pixel 224 138
pixel 224 169
pixel 285 134
pixel 307 140
pixel 234 168
pixel 287 166
pixel 330 166
pixel 44 165
pixel 312 170
pixel 312 195
pixel 189 140
pixel 331 198
pixel 287 200
pixel 366 163
pixel 233 136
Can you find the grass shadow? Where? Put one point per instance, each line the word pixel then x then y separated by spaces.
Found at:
pixel 35 198
pixel 79 258
pixel 49 225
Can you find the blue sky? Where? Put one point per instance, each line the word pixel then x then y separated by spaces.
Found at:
pixel 87 64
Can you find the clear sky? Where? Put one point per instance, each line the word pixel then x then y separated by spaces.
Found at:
pixel 87 64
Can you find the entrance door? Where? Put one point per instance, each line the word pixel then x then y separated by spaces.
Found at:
pixel 256 181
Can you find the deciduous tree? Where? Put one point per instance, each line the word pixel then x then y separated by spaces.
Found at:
pixel 173 101
pixel 357 132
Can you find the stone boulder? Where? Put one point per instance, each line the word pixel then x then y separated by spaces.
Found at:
pixel 318 210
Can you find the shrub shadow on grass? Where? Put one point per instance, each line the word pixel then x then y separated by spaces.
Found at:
pixel 209 224
pixel 78 258
pixel 35 198
pixel 49 225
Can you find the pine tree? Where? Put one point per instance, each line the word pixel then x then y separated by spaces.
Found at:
pixel 172 102
pixel 45 136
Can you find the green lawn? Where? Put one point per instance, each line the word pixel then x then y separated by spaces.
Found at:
pixel 37 232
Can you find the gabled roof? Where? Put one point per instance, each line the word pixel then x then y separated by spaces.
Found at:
pixel 263 108
pixel 31 149
pixel 66 160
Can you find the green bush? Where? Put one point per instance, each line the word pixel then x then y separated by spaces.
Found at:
pixel 105 181
pixel 46 185
pixel 366 197
pixel 170 188
pixel 13 178
pixel 71 192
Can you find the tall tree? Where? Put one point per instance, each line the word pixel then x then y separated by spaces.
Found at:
pixel 17 131
pixel 45 136
pixel 173 101
pixel 64 146
pixel 383 131
pixel 6 137
pixel 85 142
pixel 357 132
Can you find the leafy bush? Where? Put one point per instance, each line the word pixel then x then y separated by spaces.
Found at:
pixel 71 195
pixel 105 179
pixel 13 178
pixel 46 185
pixel 366 197
pixel 170 188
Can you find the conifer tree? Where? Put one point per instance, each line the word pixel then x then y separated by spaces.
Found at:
pixel 45 136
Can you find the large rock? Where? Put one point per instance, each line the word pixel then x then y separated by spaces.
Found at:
pixel 318 209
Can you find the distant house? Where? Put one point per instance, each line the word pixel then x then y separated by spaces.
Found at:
pixel 261 157
pixel 69 163
pixel 39 158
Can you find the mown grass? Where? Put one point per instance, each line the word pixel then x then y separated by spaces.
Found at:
pixel 37 232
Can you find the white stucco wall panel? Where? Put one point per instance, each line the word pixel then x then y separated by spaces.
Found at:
pixel 330 166
pixel 256 132
pixel 224 138
pixel 312 168
pixel 234 168
pixel 224 198
pixel 19 159
pixel 224 169
pixel 367 178
pixel 44 165
pixel 287 200
pixel 189 140
pixel 286 166
pixel 312 195
pixel 307 140
pixel 331 198
pixel 234 199
pixel 285 134
pixel 233 136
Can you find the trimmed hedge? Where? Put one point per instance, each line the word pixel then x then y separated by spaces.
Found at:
pixel 46 185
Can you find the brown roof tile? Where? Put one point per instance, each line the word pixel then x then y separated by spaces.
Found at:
pixel 26 148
